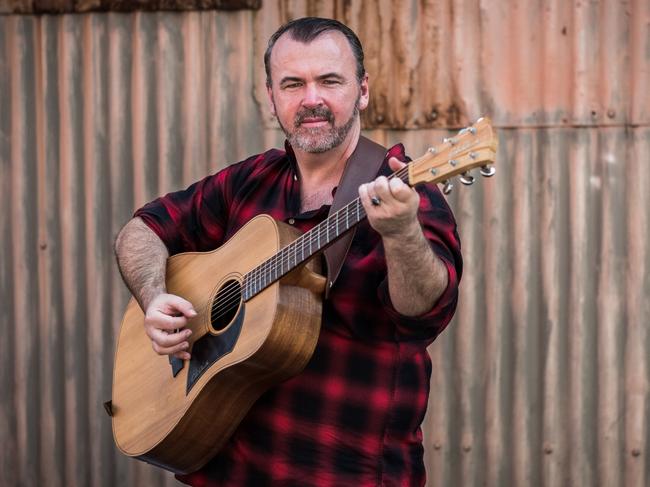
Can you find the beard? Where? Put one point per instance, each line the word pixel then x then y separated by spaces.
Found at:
pixel 319 139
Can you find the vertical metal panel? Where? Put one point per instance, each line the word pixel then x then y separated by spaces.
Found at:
pixel 542 378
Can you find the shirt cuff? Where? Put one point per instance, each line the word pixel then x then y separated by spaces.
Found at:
pixel 427 325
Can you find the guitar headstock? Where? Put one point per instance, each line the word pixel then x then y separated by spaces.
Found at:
pixel 472 147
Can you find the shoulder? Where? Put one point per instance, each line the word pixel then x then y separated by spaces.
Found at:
pixel 398 151
pixel 248 170
pixel 256 163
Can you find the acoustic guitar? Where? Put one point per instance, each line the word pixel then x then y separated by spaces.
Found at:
pixel 258 303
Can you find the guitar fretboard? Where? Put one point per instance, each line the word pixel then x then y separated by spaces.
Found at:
pixel 308 244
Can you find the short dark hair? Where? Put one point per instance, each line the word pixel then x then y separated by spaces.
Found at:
pixel 305 30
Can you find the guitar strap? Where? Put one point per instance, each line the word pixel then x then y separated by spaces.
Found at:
pixel 362 167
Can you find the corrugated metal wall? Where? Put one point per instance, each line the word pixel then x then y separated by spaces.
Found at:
pixel 543 378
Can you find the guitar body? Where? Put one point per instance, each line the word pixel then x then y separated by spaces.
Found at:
pixel 179 419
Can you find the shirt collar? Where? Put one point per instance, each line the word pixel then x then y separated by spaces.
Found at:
pixel 291 156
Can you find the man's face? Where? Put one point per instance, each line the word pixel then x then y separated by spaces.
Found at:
pixel 315 93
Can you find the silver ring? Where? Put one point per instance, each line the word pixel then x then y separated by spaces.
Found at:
pixel 375 200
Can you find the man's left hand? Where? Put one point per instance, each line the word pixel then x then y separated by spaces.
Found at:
pixel 391 205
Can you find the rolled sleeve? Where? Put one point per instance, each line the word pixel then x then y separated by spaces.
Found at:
pixel 189 220
pixel 429 325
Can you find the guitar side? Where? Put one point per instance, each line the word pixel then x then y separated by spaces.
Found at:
pixel 155 417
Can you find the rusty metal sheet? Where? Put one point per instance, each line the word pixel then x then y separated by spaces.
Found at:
pixel 440 64
pixel 543 376
pixel 85 6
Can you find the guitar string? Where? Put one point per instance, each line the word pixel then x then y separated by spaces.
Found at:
pixel 224 304
pixel 321 229
pixel 263 271
pixel 228 302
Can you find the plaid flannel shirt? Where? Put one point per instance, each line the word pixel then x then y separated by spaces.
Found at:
pixel 353 416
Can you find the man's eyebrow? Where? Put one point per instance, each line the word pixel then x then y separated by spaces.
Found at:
pixel 330 75
pixel 290 79
pixel 294 79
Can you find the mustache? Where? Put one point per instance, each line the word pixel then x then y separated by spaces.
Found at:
pixel 320 112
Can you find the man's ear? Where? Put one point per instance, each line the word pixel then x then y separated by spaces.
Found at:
pixel 269 92
pixel 364 94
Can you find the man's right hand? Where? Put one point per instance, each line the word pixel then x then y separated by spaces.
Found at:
pixel 165 321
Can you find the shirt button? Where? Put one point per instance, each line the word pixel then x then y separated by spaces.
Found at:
pixel 291 221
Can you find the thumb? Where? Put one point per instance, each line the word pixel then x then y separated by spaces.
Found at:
pixel 181 305
pixel 395 164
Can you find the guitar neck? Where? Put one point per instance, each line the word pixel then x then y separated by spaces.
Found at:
pixel 308 244
pixel 472 147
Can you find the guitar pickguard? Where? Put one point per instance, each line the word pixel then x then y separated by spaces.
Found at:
pixel 210 348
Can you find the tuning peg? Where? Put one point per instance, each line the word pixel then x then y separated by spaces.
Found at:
pixel 448 186
pixel 466 178
pixel 471 130
pixel 488 171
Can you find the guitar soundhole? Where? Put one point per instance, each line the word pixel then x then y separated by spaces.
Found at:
pixel 226 304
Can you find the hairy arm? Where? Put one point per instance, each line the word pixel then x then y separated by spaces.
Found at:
pixel 142 260
pixel 416 276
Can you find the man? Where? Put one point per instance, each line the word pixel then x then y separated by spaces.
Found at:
pixel 353 416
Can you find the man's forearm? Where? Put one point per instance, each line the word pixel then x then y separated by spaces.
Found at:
pixel 416 276
pixel 142 259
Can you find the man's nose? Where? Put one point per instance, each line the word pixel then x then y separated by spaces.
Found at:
pixel 312 96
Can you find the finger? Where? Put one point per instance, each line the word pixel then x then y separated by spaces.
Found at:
pixel 400 190
pixel 182 355
pixel 156 320
pixel 168 340
pixel 163 321
pixel 364 196
pixel 395 164
pixel 382 189
pixel 179 349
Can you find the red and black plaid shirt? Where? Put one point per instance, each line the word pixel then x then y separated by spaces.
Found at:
pixel 353 416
